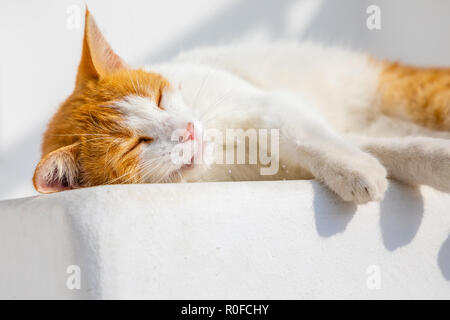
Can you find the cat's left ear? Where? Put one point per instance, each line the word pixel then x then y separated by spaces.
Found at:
pixel 58 170
pixel 98 58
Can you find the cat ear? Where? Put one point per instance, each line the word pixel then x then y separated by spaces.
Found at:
pixel 97 57
pixel 58 170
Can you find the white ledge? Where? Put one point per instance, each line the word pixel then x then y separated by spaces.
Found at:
pixel 239 240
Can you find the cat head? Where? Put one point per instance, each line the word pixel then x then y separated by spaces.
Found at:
pixel 118 126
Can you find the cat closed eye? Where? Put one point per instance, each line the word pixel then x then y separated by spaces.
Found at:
pixel 146 140
pixel 140 141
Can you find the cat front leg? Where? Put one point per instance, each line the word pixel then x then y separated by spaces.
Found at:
pixel 412 160
pixel 354 175
pixel 305 137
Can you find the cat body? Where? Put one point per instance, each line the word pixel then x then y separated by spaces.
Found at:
pixel 224 91
pixel 339 116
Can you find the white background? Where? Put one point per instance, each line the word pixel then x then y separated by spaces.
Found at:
pixel 39 53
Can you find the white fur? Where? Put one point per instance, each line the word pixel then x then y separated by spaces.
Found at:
pixel 308 92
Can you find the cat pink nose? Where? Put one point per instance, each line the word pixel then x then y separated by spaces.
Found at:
pixel 189 134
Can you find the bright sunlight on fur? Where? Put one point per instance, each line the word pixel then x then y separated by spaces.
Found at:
pixel 306 110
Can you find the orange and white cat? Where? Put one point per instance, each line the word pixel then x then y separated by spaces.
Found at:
pixel 344 118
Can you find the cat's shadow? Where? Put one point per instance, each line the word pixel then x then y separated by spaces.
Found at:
pixel 401 213
pixel 331 215
pixel 444 258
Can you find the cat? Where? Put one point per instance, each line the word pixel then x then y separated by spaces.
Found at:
pixel 343 117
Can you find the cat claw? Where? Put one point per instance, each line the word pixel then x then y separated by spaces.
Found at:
pixel 361 182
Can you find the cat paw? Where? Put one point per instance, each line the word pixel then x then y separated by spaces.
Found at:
pixel 359 180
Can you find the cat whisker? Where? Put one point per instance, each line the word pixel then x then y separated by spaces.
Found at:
pixel 165 171
pixel 148 168
pixel 149 171
pixel 115 179
pixel 79 134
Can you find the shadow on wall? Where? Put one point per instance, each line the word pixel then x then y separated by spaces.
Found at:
pixel 344 22
pixel 401 214
pixel 341 22
pixel 229 25
pixel 331 214
pixel 444 258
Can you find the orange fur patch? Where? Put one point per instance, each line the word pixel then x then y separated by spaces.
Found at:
pixel 103 149
pixel 108 150
pixel 418 94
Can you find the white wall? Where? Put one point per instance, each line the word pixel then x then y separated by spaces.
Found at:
pixel 274 240
pixel 39 53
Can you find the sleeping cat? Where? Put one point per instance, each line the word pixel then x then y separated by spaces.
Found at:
pixel 341 117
